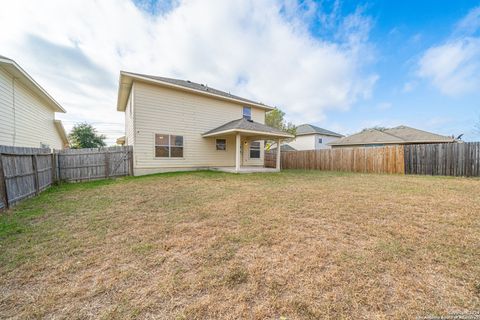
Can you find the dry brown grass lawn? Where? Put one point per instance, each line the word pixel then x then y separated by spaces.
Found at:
pixel 295 245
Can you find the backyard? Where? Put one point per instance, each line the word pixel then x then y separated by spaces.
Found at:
pixel 294 245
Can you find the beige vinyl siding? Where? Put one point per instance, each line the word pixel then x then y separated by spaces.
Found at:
pixel 6 108
pixel 305 142
pixel 29 122
pixel 129 125
pixel 169 111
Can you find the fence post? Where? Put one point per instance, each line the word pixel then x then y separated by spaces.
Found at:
pixel 54 167
pixel 107 164
pixel 130 160
pixel 3 185
pixel 58 172
pixel 35 171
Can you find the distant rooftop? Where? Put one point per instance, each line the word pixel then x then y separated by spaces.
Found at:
pixel 396 135
pixel 305 129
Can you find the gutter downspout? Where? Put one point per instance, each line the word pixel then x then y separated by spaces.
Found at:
pixel 14 112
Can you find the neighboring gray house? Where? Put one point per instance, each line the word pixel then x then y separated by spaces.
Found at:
pixel 310 137
pixel 393 136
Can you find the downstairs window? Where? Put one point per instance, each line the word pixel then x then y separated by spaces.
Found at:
pixel 168 146
pixel 221 144
pixel 255 150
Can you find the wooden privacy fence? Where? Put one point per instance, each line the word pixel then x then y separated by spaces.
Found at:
pixel 452 159
pixel 25 172
pixel 91 164
pixel 270 159
pixel 387 159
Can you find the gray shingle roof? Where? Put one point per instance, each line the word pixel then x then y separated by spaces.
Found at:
pixel 285 147
pixel 397 135
pixel 196 86
pixel 305 129
pixel 248 125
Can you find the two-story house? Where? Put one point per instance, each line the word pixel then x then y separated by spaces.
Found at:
pixel 27 111
pixel 310 137
pixel 176 125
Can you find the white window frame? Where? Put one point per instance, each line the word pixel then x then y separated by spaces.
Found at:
pixel 245 116
pixel 216 144
pixel 255 149
pixel 169 146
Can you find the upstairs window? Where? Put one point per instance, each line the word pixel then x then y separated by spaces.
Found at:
pixel 168 146
pixel 221 144
pixel 255 150
pixel 320 140
pixel 247 113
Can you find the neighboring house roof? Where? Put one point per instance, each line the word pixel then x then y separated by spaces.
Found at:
pixel 16 71
pixel 285 147
pixel 121 140
pixel 126 80
pixel 397 135
pixel 61 131
pixel 305 129
pixel 247 127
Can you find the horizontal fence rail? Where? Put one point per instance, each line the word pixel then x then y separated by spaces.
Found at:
pixel 25 172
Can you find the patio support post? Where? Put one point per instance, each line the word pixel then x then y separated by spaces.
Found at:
pixel 278 154
pixel 237 152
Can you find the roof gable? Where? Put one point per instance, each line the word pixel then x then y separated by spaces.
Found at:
pixel 16 71
pixel 126 80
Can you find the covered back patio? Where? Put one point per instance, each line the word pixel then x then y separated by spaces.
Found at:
pixel 248 131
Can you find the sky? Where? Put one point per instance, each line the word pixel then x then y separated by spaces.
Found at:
pixel 341 65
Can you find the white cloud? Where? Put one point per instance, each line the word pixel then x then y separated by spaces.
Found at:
pixel 260 49
pixel 454 66
pixel 470 23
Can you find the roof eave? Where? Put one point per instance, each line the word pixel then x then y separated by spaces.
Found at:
pixel 61 131
pixel 259 133
pixel 20 73
pixel 124 87
pixel 322 134
pixel 122 104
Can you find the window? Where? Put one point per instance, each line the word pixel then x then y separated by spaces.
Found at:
pixel 247 113
pixel 255 150
pixel 221 144
pixel 320 140
pixel 168 146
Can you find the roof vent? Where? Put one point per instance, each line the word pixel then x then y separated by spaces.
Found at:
pixel 189 81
